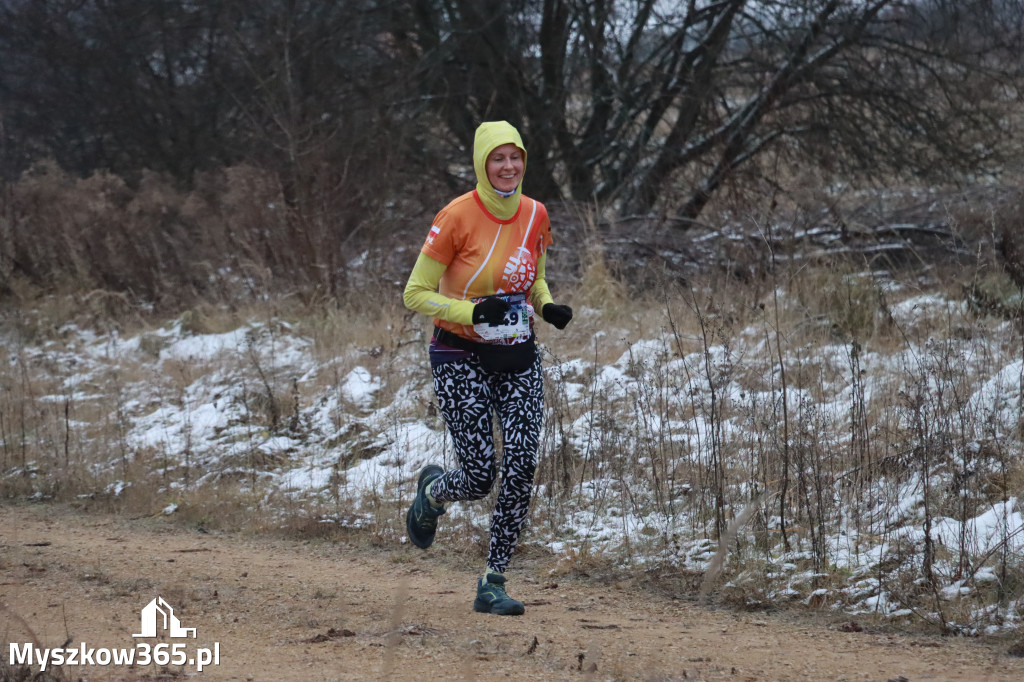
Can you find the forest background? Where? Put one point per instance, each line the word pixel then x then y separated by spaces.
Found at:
pixel 790 231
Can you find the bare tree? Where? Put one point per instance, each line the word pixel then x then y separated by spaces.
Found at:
pixel 625 99
pixel 116 85
pixel 304 89
pixel 312 86
pixel 642 105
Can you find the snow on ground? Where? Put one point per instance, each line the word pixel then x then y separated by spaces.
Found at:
pixel 251 406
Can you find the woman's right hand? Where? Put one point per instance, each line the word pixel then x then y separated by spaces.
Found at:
pixel 490 310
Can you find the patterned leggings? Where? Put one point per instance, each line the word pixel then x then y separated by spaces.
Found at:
pixel 467 394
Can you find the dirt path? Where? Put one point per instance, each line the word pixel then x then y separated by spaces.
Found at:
pixel 282 610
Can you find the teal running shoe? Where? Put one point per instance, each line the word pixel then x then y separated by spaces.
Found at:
pixel 492 598
pixel 421 519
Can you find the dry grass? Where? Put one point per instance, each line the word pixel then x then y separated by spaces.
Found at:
pixel 827 389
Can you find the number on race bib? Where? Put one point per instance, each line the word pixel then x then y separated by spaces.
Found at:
pixel 515 328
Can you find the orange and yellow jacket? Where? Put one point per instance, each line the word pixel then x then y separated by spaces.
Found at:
pixel 481 244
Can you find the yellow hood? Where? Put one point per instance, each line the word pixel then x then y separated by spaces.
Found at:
pixel 489 136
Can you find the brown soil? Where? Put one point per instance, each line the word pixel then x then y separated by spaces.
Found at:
pixel 290 610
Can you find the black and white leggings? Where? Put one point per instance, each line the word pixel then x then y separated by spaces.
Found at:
pixel 467 394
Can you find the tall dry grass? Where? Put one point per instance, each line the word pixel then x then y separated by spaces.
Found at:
pixel 232 238
pixel 834 402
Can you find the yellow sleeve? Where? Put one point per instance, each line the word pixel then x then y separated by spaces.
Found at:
pixel 539 292
pixel 422 296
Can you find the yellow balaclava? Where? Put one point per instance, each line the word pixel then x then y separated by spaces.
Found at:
pixel 489 136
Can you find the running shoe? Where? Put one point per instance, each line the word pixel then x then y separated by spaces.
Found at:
pixel 492 598
pixel 421 519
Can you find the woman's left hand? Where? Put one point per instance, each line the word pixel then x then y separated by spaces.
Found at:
pixel 558 315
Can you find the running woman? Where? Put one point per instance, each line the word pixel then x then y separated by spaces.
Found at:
pixel 480 275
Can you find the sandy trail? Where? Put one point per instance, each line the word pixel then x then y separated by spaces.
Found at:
pixel 289 610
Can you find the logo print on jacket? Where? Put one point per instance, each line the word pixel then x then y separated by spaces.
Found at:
pixel 434 231
pixel 520 271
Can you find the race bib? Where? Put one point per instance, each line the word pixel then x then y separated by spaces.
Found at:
pixel 515 328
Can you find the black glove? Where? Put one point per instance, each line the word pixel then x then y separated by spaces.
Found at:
pixel 558 315
pixel 490 310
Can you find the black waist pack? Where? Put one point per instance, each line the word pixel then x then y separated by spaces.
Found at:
pixel 494 357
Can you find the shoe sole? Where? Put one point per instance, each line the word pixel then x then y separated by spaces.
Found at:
pixel 485 607
pixel 427 471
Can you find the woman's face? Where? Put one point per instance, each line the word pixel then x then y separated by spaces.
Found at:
pixel 505 166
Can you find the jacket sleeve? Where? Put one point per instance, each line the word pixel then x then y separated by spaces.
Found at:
pixel 539 292
pixel 422 296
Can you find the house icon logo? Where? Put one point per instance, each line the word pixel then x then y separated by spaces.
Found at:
pixel 159 613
